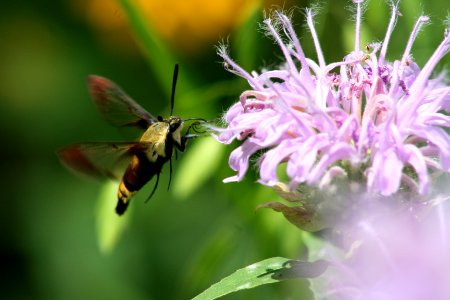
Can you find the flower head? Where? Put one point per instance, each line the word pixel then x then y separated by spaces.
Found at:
pixel 360 118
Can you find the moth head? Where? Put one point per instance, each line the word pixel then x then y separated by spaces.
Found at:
pixel 175 126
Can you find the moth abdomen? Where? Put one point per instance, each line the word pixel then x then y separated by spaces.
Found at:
pixel 139 172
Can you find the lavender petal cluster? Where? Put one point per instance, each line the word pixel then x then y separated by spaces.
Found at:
pixel 380 122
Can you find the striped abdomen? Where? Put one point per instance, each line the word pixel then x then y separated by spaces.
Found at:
pixel 138 173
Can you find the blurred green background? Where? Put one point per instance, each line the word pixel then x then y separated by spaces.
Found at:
pixel 186 238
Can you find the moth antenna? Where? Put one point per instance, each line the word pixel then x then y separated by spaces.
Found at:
pixel 174 84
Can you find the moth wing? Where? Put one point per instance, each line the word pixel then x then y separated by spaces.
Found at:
pixel 116 106
pixel 100 159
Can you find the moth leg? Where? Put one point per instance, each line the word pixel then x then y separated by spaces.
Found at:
pixel 184 140
pixel 154 188
pixel 170 172
pixel 182 145
pixel 187 136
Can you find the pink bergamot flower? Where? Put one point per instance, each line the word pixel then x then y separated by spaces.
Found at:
pixel 372 121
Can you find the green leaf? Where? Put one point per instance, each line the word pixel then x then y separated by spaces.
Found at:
pixel 214 252
pixel 158 55
pixel 264 272
pixel 212 93
pixel 316 251
pixel 199 164
pixel 110 226
pixel 299 216
pixel 248 38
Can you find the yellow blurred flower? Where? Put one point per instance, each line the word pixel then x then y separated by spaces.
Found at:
pixel 188 25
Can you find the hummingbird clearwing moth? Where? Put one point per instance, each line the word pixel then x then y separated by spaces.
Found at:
pixel 133 163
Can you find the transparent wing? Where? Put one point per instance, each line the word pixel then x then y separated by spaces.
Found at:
pixel 100 159
pixel 116 106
